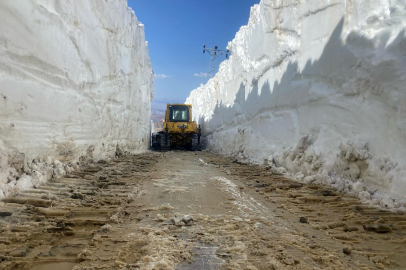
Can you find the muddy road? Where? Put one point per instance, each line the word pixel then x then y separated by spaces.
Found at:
pixel 193 210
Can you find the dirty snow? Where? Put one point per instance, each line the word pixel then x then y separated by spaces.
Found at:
pixel 317 89
pixel 245 203
pixel 76 81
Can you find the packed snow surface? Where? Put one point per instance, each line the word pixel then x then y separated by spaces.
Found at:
pixel 76 81
pixel 317 89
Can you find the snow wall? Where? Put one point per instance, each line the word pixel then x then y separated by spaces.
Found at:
pixel 317 88
pixel 75 85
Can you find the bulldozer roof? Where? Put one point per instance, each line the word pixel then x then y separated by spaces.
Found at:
pixel 179 104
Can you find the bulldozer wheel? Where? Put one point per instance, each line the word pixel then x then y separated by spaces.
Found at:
pixel 154 141
pixel 195 143
pixel 165 144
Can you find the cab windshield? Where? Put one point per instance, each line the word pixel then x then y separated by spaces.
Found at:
pixel 179 114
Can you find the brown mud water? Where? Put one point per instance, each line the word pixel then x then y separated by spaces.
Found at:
pixel 187 210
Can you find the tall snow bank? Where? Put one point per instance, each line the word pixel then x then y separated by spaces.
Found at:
pixel 317 88
pixel 76 81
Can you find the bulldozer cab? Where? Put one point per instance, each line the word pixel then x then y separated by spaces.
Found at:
pixel 178 113
pixel 179 131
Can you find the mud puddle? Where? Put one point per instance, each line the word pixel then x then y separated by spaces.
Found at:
pixel 55 266
pixel 204 258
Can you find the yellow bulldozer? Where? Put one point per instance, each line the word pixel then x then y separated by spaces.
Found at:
pixel 179 131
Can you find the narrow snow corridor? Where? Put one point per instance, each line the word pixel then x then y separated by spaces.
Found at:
pixel 295 148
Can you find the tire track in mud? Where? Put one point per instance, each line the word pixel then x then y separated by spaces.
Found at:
pixel 173 211
pixel 55 225
pixel 354 235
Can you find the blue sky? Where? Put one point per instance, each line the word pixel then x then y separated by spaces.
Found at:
pixel 176 31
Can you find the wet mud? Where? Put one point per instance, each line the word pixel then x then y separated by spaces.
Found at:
pixel 193 210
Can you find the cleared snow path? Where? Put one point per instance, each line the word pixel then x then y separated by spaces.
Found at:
pixel 173 211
